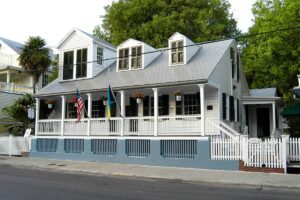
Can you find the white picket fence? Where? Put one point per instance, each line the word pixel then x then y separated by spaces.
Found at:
pixel 294 149
pixel 10 145
pixel 255 152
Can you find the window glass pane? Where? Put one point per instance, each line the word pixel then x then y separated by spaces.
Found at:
pixel 81 67
pixel 126 52
pixel 121 53
pixel 68 65
pixel 139 51
pixel 180 57
pixel 99 55
pixel 174 60
pixel 133 51
pixel 180 46
pixel 173 46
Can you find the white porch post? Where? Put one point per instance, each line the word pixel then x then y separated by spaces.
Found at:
pixel 8 77
pixel 122 110
pixel 63 114
pixel 37 114
pixel 89 110
pixel 155 110
pixel 274 118
pixel 202 103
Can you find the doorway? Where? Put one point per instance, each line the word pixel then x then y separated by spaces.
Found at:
pixel 263 122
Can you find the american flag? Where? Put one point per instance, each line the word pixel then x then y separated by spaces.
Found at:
pixel 80 105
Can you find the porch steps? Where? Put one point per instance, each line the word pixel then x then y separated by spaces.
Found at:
pixel 293 165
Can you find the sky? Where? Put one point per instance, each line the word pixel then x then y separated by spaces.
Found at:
pixel 53 19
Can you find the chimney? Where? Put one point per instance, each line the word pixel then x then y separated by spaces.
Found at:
pixel 299 80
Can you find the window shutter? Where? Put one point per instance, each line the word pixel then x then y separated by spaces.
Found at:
pixel 232 54
pixel 101 109
pixel 238 110
pixel 178 107
pixel 237 67
pixel 198 103
pixel 165 104
pixel 224 106
pixel 85 108
pixel 146 106
pixel 231 108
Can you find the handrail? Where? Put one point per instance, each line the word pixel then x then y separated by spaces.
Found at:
pixel 220 128
pixel 180 116
pixel 230 129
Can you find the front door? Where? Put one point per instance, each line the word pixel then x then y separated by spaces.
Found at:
pixel 263 122
pixel 132 111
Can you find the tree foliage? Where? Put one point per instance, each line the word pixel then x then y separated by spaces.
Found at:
pixel 18 111
pixel 34 57
pixel 154 21
pixel 273 59
pixel 54 73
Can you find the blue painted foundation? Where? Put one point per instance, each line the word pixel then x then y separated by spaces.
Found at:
pixel 201 158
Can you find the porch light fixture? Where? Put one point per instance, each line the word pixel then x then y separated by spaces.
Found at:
pixel 139 97
pixel 178 95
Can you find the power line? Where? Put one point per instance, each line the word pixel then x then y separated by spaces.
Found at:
pixel 196 44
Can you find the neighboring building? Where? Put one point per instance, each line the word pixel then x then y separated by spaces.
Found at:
pixel 14 82
pixel 215 100
pixel 296 90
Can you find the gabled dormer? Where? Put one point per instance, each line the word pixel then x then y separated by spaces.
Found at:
pixel 135 55
pixel 83 55
pixel 181 49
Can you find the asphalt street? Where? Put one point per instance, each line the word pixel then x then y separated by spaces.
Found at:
pixel 31 184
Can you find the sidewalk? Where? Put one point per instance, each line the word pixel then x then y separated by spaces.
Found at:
pixel 185 174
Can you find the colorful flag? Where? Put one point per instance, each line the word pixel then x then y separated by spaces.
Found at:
pixel 110 101
pixel 80 105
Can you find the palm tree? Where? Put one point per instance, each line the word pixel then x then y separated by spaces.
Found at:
pixel 34 58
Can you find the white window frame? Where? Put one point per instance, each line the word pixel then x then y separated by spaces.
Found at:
pixel 177 52
pixel 123 58
pixel 136 57
pixel 100 56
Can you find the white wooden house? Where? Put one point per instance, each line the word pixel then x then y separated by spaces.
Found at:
pixel 14 82
pixel 215 100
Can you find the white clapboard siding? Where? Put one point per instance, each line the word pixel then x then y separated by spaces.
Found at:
pixel 14 145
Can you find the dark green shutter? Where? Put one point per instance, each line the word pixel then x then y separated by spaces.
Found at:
pixel 224 105
pixel 238 110
pixel 178 107
pixel 237 67
pixel 232 61
pixel 231 108
pixel 146 106
pixel 165 104
pixel 198 103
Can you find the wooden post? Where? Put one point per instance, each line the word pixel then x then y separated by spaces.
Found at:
pixel 122 110
pixel 202 104
pixel 155 90
pixel 89 113
pixel 63 114
pixel 37 115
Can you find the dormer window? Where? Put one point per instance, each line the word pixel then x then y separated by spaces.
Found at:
pixel 81 63
pixel 68 65
pixel 99 55
pixel 136 57
pixel 177 55
pixel 124 59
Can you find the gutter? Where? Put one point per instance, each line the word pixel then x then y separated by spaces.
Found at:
pixel 148 86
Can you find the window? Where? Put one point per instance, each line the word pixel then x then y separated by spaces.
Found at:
pixel 231 109
pixel 98 109
pixel 68 65
pixel 45 79
pixel 237 67
pixel 99 55
pixel 72 110
pixel 81 64
pixel 177 52
pixel 124 59
pixel 163 105
pixel 191 104
pixel 136 57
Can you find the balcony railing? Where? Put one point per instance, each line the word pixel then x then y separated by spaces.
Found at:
pixel 15 88
pixel 128 126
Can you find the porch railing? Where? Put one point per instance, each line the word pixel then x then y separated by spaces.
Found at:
pixel 178 125
pixel 128 126
pixel 15 88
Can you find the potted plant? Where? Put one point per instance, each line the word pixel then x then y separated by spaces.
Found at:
pixel 74 100
pixel 139 97
pixel 104 100
pixel 50 103
pixel 178 95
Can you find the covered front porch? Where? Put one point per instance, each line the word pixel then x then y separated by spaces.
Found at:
pixel 160 112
